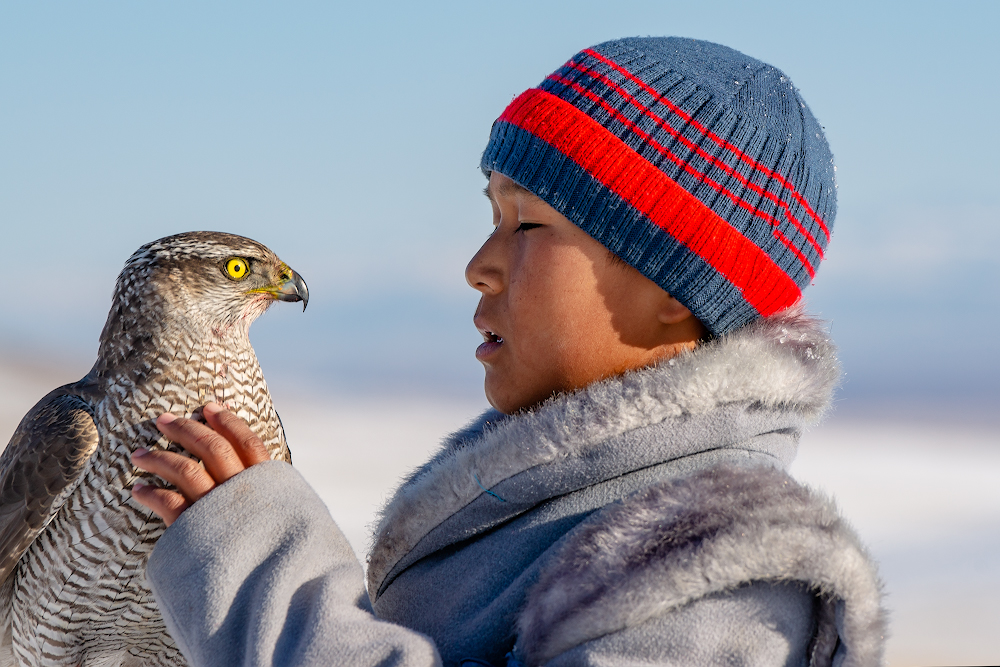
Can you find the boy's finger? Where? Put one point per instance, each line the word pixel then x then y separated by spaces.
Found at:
pixel 192 481
pixel 215 451
pixel 248 446
pixel 167 504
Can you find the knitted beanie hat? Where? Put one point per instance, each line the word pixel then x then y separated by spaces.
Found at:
pixel 701 167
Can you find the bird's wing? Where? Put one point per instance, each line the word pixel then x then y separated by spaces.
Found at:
pixel 40 468
pixel 286 452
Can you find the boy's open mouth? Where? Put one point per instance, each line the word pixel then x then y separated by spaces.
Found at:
pixel 491 345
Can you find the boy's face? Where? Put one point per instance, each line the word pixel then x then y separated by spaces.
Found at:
pixel 557 311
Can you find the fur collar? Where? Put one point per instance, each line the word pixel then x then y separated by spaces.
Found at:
pixel 785 361
pixel 684 539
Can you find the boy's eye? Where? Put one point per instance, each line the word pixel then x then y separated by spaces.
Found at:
pixel 525 226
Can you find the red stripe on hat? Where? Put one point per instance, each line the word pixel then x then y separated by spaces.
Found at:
pixel 661 97
pixel 730 171
pixel 715 185
pixel 651 192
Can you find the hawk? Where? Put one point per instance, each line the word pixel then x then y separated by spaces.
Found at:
pixel 73 543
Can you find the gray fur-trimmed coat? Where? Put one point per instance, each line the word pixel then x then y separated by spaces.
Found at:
pixel 646 519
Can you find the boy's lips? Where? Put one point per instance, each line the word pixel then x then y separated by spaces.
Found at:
pixel 492 342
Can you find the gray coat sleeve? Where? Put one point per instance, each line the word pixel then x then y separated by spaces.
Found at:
pixel 257 573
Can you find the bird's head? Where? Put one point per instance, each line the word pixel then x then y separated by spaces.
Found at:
pixel 198 283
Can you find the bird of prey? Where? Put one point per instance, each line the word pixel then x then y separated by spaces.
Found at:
pixel 73 543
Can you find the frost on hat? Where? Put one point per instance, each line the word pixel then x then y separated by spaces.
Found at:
pixel 701 167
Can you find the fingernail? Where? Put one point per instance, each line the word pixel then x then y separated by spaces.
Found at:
pixel 165 419
pixel 140 452
pixel 138 485
pixel 213 408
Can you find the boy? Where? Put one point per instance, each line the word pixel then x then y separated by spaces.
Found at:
pixel 659 203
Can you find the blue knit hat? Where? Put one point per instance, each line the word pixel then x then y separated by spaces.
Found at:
pixel 701 167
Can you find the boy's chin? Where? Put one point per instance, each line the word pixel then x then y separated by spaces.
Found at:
pixel 499 396
pixel 500 403
pixel 509 400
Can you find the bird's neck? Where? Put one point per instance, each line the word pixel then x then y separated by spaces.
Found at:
pixel 158 324
pixel 159 347
pixel 139 345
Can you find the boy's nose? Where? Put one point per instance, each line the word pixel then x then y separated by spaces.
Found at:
pixel 483 273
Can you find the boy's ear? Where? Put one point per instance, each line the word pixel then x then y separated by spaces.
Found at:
pixel 672 311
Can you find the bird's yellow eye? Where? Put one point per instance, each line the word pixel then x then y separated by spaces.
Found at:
pixel 237 268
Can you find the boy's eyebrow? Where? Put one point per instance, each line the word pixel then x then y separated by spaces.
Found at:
pixel 508 188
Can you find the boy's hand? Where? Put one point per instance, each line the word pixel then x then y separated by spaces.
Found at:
pixel 226 447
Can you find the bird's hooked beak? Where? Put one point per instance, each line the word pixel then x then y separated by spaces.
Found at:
pixel 291 287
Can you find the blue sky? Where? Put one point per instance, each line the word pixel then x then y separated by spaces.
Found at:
pixel 347 138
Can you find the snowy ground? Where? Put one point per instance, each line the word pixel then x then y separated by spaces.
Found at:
pixel 925 497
